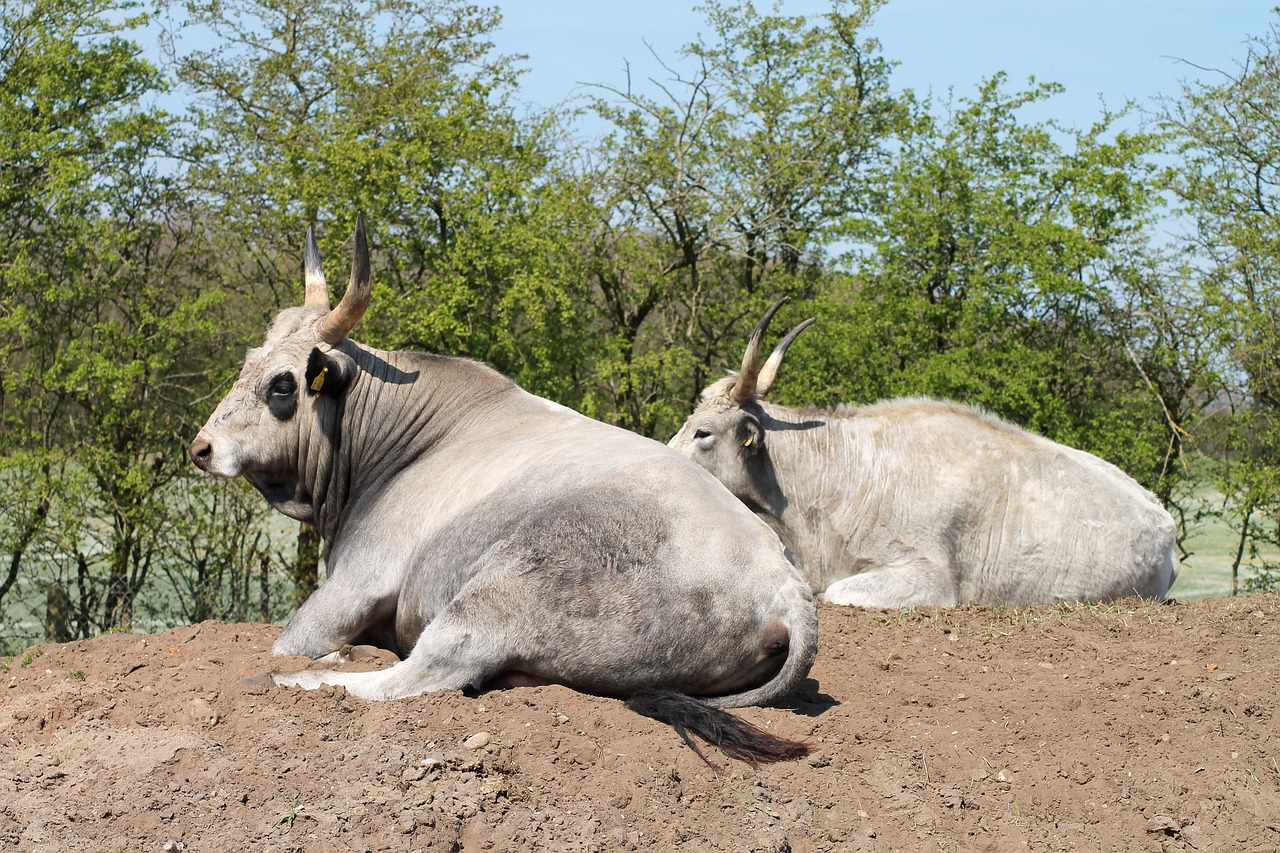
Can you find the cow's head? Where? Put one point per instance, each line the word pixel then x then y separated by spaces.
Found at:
pixel 277 420
pixel 726 434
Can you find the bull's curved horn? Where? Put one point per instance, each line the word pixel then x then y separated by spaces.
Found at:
pixel 745 387
pixel 769 372
pixel 335 325
pixel 313 274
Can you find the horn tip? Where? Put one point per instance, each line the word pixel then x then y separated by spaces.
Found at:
pixel 312 248
pixel 360 271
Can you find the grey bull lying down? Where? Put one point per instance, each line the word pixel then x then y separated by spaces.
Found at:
pixel 492 537
pixel 921 502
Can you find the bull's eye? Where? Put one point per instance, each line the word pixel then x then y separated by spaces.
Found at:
pixel 701 433
pixel 282 396
pixel 284 385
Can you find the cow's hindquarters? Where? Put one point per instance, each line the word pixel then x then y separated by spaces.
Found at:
pixel 801 621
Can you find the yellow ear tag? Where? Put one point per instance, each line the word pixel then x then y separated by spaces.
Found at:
pixel 318 382
pixel 747 443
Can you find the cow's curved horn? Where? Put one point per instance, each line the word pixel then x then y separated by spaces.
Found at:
pixel 337 323
pixel 745 387
pixel 313 274
pixel 769 372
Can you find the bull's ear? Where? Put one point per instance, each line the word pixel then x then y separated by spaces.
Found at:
pixel 328 372
pixel 751 436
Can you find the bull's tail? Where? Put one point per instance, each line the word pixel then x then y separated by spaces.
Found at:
pixel 735 737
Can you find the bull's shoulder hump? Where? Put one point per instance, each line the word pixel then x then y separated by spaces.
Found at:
pixel 558 417
pixel 921 413
pixel 430 366
pixel 895 408
pixel 908 408
pixel 542 432
pixel 929 414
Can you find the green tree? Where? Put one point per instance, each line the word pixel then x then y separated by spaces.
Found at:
pixel 992 268
pixel 225 562
pixel 309 111
pixel 1228 185
pixel 95 333
pixel 718 193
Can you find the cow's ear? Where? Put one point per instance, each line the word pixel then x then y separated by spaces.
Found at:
pixel 751 436
pixel 329 372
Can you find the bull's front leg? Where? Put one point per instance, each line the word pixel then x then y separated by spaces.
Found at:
pixel 916 581
pixel 335 616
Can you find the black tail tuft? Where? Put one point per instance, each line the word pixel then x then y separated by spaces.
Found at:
pixel 735 737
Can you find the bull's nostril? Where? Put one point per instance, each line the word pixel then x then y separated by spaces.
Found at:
pixel 201 450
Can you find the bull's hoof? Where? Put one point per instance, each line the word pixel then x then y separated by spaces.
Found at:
pixel 307 679
pixel 366 652
pixel 355 654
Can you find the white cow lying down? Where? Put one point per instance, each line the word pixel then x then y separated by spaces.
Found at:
pixel 921 502
pixel 489 536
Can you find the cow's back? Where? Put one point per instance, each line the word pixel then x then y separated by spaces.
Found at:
pixel 1016 518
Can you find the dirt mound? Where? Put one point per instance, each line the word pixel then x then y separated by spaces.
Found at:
pixel 1134 726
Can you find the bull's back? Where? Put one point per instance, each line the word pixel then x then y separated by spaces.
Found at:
pixel 1017 518
pixel 1047 522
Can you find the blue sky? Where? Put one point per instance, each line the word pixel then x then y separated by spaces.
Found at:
pixel 1116 50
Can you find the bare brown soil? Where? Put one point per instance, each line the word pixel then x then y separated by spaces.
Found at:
pixel 1134 726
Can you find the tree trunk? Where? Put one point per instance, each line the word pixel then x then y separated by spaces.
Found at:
pixel 1235 563
pixel 57 613
pixel 264 591
pixel 305 572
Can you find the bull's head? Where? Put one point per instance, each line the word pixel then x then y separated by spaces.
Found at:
pixel 277 423
pixel 726 433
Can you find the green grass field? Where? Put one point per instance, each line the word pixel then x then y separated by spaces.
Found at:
pixel 1206 573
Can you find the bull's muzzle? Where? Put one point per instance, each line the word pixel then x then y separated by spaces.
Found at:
pixel 201 451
